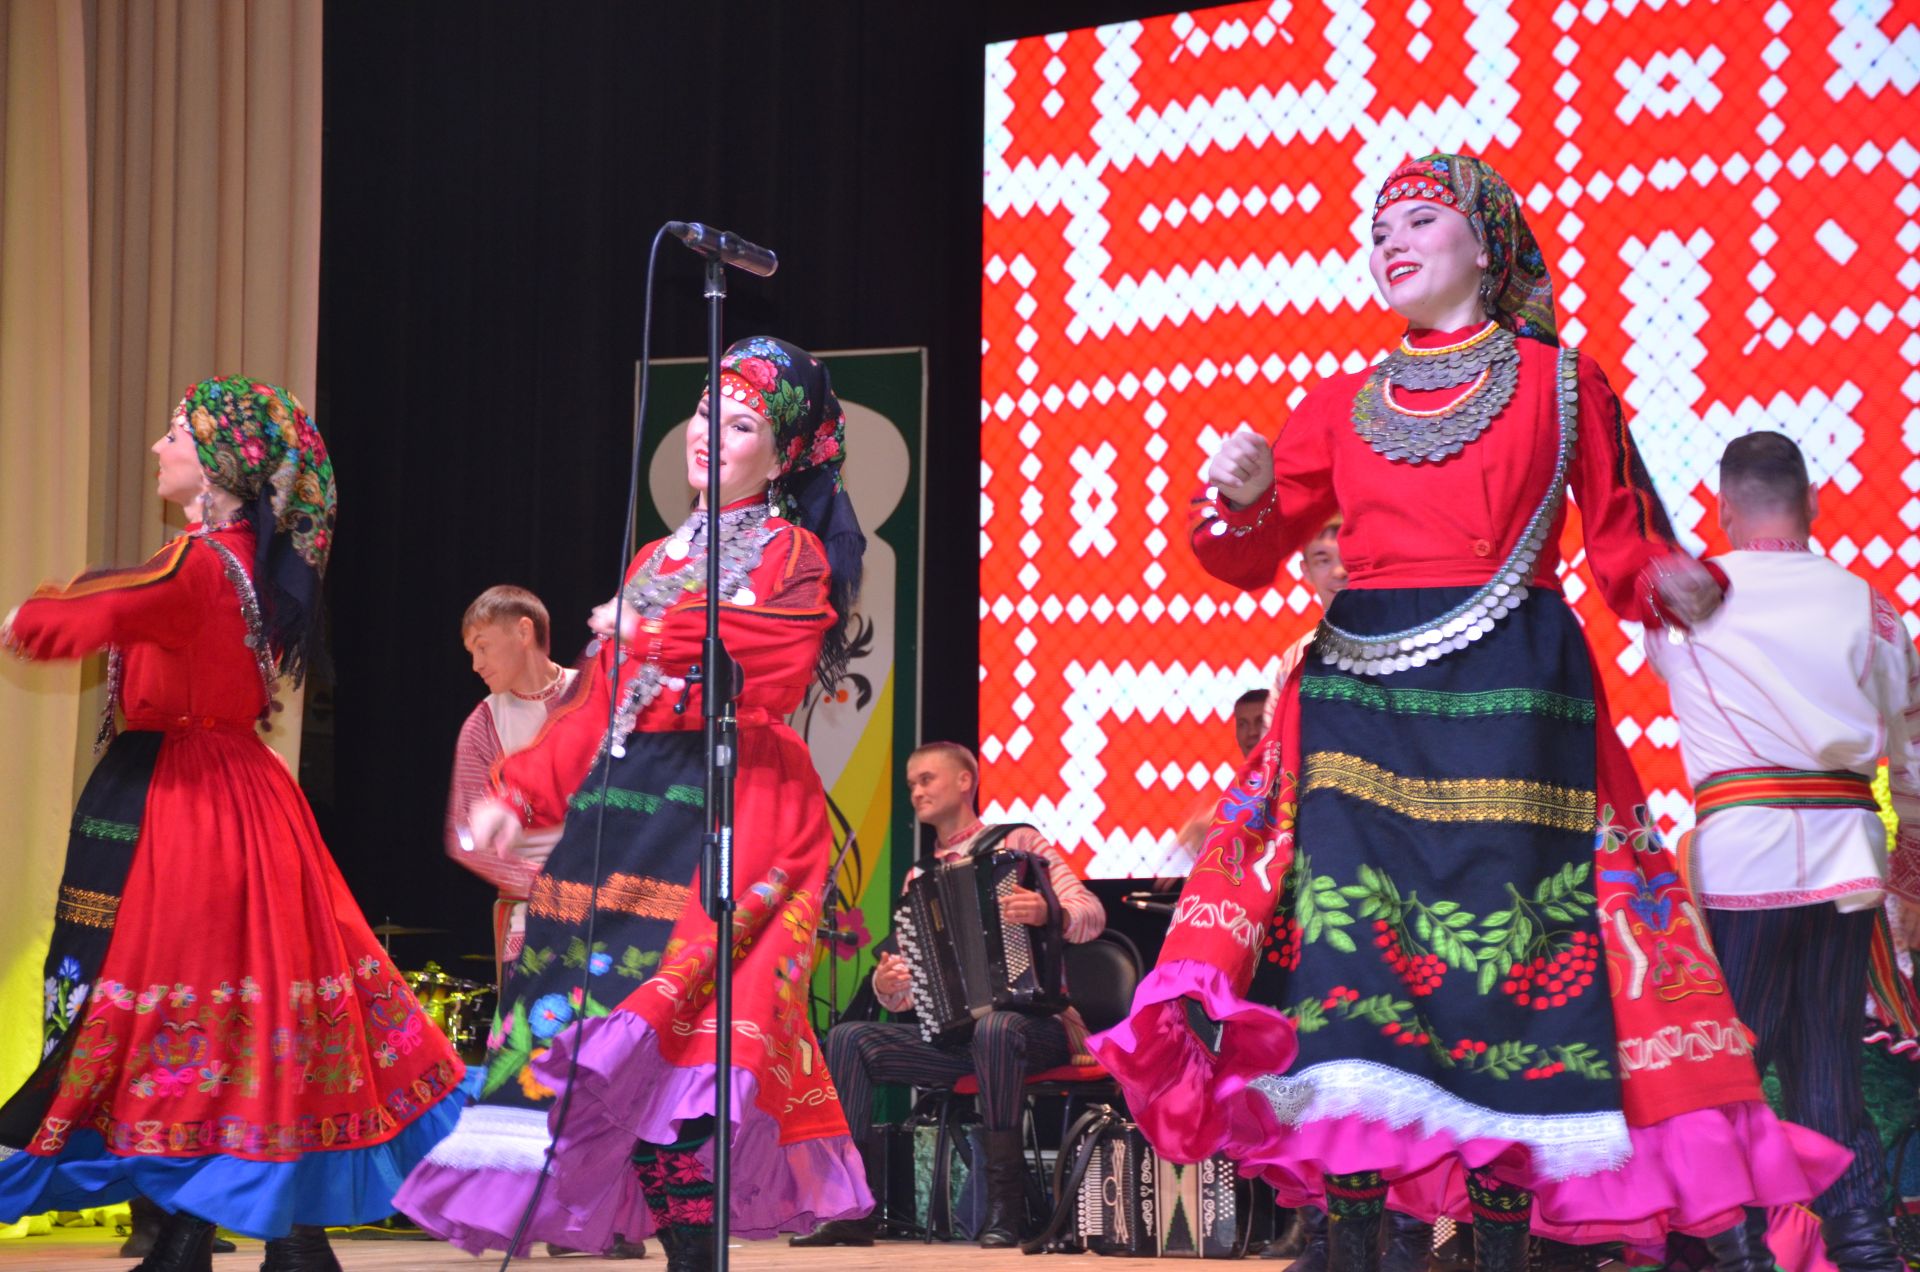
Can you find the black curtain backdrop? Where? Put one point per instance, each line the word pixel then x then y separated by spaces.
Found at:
pixel 493 175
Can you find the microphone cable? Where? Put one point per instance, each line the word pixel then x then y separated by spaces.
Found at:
pixel 565 1106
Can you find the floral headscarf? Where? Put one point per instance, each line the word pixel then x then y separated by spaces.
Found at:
pixel 1516 290
pixel 792 390
pixel 256 441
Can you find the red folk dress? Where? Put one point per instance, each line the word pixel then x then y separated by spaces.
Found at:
pixel 247 1053
pixel 1428 909
pixel 644 1029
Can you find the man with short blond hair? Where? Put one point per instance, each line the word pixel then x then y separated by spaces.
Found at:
pixel 943 781
pixel 508 636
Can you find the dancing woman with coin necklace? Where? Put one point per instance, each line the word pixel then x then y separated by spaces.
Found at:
pixel 1433 954
pixel 632 1155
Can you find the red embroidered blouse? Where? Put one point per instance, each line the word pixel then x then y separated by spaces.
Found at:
pixel 1448 524
pixel 774 637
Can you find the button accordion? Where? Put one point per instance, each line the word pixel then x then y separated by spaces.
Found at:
pixel 1119 1197
pixel 1134 1202
pixel 965 960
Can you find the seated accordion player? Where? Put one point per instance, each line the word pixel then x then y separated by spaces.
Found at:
pixel 966 958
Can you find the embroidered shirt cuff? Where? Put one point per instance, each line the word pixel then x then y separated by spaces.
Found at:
pixel 1658 615
pixel 1214 515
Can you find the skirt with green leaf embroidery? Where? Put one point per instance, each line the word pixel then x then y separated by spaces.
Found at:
pixel 1438 944
pixel 649 824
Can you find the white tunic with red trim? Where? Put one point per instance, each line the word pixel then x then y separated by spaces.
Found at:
pixel 1805 667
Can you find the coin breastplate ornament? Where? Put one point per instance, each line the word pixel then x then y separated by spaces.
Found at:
pixel 1487 363
pixel 1474 617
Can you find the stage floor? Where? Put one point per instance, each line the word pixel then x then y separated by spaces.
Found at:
pixel 96 1248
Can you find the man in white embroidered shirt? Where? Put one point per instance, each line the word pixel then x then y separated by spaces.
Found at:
pixel 1006 1046
pixel 1787 699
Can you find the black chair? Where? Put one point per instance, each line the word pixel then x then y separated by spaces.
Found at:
pixel 1101 977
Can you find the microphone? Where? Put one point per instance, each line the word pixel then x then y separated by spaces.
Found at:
pixel 730 248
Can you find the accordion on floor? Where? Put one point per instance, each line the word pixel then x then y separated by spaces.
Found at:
pixel 1130 1201
pixel 965 959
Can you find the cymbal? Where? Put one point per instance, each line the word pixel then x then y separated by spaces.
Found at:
pixel 435 979
pixel 401 929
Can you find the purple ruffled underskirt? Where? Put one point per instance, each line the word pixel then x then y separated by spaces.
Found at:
pixel 1694 1173
pixel 473 1189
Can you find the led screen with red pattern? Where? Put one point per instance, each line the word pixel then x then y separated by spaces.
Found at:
pixel 1174 246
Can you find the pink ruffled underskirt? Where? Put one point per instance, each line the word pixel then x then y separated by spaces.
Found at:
pixel 472 1192
pixel 1694 1173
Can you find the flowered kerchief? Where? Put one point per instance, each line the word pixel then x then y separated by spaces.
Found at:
pixel 1518 291
pixel 790 387
pixel 256 439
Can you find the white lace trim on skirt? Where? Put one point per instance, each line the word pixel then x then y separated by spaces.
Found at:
pixel 1563 1146
pixel 494 1137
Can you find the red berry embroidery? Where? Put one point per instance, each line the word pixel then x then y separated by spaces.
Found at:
pixel 1283 942
pixel 1551 980
pixel 1421 974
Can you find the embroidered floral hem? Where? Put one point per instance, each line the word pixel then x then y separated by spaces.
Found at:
pixel 1192 1103
pixel 474 1186
pixel 259 1199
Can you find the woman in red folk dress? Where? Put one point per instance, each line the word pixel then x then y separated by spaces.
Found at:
pixel 222 1032
pixel 1432 956
pixel 636 1005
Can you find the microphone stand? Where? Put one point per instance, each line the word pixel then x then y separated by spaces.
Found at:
pixel 722 739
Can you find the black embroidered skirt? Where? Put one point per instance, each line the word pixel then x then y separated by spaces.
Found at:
pixel 1441 949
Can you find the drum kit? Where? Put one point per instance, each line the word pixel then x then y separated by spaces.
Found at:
pixel 463 1009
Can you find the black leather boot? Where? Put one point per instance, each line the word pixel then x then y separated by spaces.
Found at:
pixel 1861 1241
pixel 840 1232
pixel 1455 1253
pixel 622 1248
pixel 305 1249
pixel 1409 1243
pixel 1005 1223
pixel 691 1250
pixel 1291 1237
pixel 1499 1247
pixel 184 1244
pixel 145 1220
pixel 1306 1244
pixel 1313 1256
pixel 855 1232
pixel 1743 1247
pixel 1353 1243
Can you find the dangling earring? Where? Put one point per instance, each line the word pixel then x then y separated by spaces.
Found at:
pixel 206 510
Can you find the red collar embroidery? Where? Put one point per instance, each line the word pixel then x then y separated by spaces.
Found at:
pixel 955 840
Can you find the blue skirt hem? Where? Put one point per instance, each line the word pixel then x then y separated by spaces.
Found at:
pixel 257 1199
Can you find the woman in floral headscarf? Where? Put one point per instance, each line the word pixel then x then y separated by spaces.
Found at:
pixel 222 1033
pixel 1432 955
pixel 632 1155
